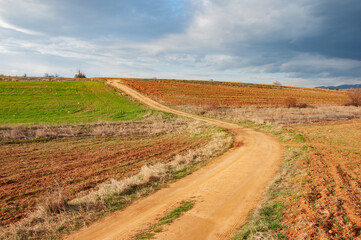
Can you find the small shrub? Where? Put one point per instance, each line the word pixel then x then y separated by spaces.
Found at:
pixel 355 97
pixel 211 107
pixel 80 75
pixel 54 204
pixel 290 102
pixel 303 105
pixel 277 83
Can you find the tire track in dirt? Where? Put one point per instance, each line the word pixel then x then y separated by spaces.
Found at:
pixel 224 191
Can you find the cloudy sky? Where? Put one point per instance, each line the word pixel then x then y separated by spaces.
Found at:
pixel 299 43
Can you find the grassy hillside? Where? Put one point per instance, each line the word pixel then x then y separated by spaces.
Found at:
pixel 63 102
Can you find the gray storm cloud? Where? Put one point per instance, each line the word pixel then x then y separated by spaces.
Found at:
pixel 302 42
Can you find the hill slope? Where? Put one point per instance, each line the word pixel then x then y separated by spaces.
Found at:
pixel 202 93
pixel 63 102
pixel 345 86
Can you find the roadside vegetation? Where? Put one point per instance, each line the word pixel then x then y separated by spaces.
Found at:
pixel 266 221
pixel 317 193
pixel 278 115
pixel 165 220
pixel 64 102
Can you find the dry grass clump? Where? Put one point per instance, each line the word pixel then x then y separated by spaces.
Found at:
pixel 290 102
pixel 128 128
pixel 54 204
pixel 355 97
pixel 280 115
pixel 55 216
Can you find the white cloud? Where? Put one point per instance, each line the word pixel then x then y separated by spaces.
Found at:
pixel 317 64
pixel 4 24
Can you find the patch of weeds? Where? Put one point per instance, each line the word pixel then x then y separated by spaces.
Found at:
pixel 164 115
pixel 115 202
pixel 299 138
pixel 167 219
pixel 182 173
pixel 145 236
pixel 175 213
pixel 263 127
pixel 268 222
pixel 285 136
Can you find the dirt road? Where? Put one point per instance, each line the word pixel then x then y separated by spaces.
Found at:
pixel 224 191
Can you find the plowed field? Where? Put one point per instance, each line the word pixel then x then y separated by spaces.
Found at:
pixel 31 171
pixel 330 202
pixel 183 93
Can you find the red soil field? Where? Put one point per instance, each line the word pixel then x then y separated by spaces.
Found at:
pixel 232 94
pixel 329 206
pixel 31 171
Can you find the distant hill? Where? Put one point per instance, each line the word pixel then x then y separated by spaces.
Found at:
pixel 345 86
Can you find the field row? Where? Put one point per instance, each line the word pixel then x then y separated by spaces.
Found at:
pixel 31 171
pixel 184 93
pixel 329 206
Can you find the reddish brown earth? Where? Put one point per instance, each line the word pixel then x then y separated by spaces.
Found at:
pixel 211 94
pixel 329 206
pixel 31 171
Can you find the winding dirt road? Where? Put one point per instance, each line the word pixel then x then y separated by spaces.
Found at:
pixel 224 191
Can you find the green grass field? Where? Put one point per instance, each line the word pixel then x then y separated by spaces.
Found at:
pixel 63 103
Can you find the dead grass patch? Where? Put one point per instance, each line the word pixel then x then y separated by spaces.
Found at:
pixel 279 115
pixel 126 128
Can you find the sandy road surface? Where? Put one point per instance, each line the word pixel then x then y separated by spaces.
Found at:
pixel 224 191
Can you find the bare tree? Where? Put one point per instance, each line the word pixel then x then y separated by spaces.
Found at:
pixel 79 75
pixel 277 83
